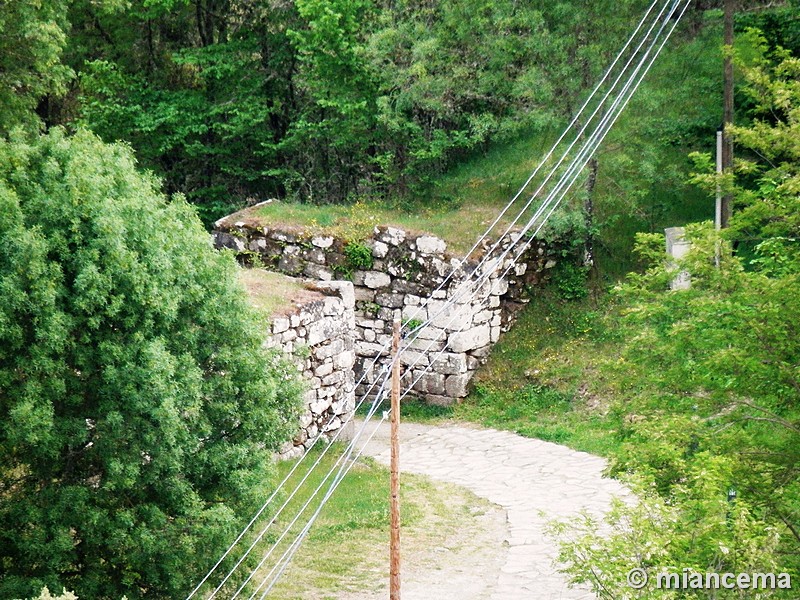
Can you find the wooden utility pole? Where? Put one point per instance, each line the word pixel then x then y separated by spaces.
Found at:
pixel 394 483
pixel 727 108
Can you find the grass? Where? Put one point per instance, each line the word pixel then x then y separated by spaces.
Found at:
pixel 347 549
pixel 545 377
pixel 269 291
pixel 459 225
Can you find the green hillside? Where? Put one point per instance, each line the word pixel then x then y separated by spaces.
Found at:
pixel 139 411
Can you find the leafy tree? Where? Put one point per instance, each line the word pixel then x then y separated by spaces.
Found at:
pixel 709 380
pixel 32 38
pixel 138 411
pixel 322 101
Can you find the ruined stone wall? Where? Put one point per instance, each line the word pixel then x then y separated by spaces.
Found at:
pixel 393 273
pixel 316 333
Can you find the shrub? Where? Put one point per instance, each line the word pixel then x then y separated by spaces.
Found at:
pixel 138 411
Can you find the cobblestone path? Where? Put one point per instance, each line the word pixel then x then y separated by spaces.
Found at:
pixel 532 480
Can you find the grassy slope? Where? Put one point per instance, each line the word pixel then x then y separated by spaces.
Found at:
pixel 545 378
pixel 269 291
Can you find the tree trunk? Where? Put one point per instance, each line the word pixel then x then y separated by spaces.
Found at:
pixel 727 113
pixel 588 209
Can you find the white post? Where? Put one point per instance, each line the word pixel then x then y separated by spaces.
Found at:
pixel 677 248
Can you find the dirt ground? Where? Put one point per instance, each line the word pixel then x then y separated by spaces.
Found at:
pixel 462 547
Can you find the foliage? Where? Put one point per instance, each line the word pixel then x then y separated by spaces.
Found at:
pixel 698 529
pixel 32 38
pixel 138 408
pixel 359 255
pixel 320 101
pixel 709 374
pixel 571 281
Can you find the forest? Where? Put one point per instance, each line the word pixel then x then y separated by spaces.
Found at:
pixel 138 410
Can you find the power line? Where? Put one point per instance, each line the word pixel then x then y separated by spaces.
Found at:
pixel 552 201
pixel 277 490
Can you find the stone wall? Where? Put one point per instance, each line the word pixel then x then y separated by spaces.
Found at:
pixel 316 333
pixel 394 272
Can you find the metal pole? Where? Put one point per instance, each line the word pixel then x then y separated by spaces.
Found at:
pixel 394 545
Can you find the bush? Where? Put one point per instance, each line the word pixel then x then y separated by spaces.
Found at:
pixel 138 411
pixel 571 281
pixel 359 256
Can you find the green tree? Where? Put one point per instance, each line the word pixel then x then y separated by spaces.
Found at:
pixel 32 38
pixel 709 384
pixel 138 411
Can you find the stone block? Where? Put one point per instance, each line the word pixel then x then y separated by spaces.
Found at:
pixel 414 313
pixel 499 287
pixel 369 349
pixel 280 324
pixel 386 314
pixel 292 265
pixel 288 336
pixel 306 419
pixel 363 294
pixel 344 360
pixel 322 241
pixel 314 255
pixel 412 300
pixel 451 364
pixel 426 345
pixel 333 307
pixel 474 338
pixel 456 385
pixel 389 300
pixel 376 279
pixel 333 348
pixel 257 244
pixel 316 271
pixel 226 240
pixel 282 236
pixel 324 369
pixel 319 407
pixel 344 289
pixel 408 287
pixel 333 379
pixel 430 383
pixel 391 235
pixel 482 352
pixel 428 244
pixel 483 317
pixel 321 331
pixel 379 249
pixel 414 357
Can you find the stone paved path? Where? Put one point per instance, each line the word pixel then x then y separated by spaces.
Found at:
pixel 532 480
